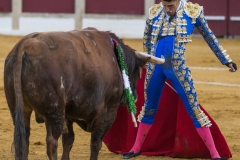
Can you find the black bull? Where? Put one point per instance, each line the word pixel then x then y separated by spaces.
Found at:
pixel 66 77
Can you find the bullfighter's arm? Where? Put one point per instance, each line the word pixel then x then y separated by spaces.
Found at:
pixel 147 36
pixel 211 39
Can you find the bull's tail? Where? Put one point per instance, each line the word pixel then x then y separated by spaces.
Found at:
pixel 20 141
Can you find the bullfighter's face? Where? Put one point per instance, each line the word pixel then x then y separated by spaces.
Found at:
pixel 171 6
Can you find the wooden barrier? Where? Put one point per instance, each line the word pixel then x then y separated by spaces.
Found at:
pixel 5 6
pixel 223 16
pixel 234 18
pixel 74 8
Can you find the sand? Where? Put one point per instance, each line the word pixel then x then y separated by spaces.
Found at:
pixel 221 100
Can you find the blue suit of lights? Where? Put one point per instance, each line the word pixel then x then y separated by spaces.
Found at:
pixel 172 45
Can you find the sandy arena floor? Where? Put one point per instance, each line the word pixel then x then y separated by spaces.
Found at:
pixel 221 101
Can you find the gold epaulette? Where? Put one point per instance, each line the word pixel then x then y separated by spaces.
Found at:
pixel 155 10
pixel 192 10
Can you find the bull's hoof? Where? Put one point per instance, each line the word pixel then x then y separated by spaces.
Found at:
pixel 130 155
pixel 39 120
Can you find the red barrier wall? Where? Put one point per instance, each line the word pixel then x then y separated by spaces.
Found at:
pixel 217 10
pixel 224 14
pixel 115 6
pixel 5 6
pixel 48 6
pixel 234 17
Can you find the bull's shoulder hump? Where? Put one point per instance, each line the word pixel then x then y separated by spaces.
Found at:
pixel 192 10
pixel 155 10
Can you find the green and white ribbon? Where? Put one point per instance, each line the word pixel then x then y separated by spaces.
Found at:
pixel 127 89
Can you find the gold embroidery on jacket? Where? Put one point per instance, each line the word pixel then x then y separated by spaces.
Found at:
pixel 155 10
pixel 192 10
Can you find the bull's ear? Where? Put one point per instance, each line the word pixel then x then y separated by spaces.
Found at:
pixel 149 58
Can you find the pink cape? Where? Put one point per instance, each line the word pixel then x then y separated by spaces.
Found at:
pixel 172 134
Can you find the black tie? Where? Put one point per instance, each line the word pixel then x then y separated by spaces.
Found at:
pixel 171 17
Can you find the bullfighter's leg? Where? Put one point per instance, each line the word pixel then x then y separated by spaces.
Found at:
pixel 186 90
pixel 153 89
pixel 67 140
pixel 184 85
pixel 99 131
pixel 54 125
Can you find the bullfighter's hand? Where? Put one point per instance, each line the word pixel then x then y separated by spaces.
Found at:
pixel 232 66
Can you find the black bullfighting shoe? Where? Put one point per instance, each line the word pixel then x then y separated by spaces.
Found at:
pixel 219 159
pixel 130 155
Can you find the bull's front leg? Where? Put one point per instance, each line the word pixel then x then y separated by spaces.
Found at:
pixel 99 132
pixel 96 145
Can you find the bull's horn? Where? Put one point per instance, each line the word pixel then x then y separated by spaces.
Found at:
pixel 152 59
